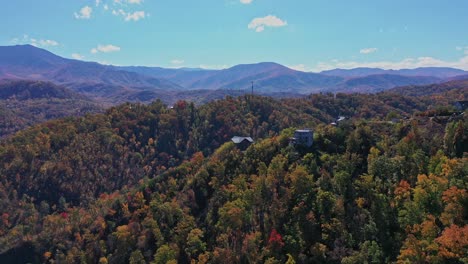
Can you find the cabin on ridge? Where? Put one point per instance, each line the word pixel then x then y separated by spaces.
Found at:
pixel 242 143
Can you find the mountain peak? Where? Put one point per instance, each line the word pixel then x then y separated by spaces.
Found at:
pixel 29 55
pixel 261 66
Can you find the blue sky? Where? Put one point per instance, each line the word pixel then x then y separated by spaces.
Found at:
pixel 309 35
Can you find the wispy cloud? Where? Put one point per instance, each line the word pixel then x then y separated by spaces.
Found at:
pixel 464 49
pixel 134 1
pixel 213 67
pixel 128 1
pixel 246 2
pixel 258 24
pixel 120 8
pixel 368 50
pixel 135 16
pixel 26 39
pixel 84 13
pixel 77 56
pixel 298 67
pixel 177 62
pixel 105 49
pixel 407 63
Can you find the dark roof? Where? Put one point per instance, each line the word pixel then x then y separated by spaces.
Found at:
pixel 238 140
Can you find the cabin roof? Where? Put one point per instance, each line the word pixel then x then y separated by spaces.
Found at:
pixel 238 140
pixel 303 130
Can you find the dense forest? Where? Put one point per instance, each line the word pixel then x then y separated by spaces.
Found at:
pixel 25 103
pixel 158 184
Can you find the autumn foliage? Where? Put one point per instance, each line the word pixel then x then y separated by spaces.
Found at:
pixel 152 184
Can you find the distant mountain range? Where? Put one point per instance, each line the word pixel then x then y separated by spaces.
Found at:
pixel 115 84
pixel 438 72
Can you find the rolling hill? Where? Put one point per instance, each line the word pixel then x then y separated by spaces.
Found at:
pixel 25 103
pixel 381 82
pixel 455 90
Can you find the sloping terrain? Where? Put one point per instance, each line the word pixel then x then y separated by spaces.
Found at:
pixel 378 83
pixel 25 103
pixel 149 184
pixel 438 72
pixel 459 87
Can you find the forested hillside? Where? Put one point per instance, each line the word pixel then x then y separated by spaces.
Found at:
pixel 152 183
pixel 457 89
pixel 25 103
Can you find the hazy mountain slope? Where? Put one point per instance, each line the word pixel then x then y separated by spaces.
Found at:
pixel 377 83
pixel 439 72
pixel 78 71
pixel 29 62
pixel 269 77
pixel 460 87
pixel 183 77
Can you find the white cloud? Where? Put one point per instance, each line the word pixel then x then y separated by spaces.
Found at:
pixel 98 2
pixel 298 67
pixel 177 62
pixel 258 24
pixel 246 2
pixel 135 16
pixel 77 56
pixel 46 42
pixel 134 1
pixel 119 12
pixel 213 67
pixel 368 50
pixel 128 1
pixel 407 63
pixel 35 42
pixel 105 49
pixel 121 8
pixel 464 49
pixel 105 63
pixel 85 13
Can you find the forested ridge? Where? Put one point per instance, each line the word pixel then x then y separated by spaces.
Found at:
pixel 152 183
pixel 25 103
